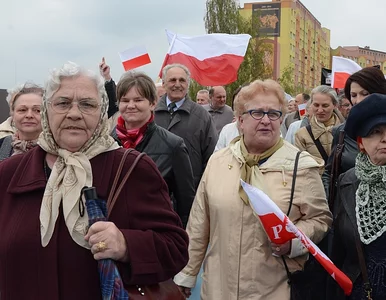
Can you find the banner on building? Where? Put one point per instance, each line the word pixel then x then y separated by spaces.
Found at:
pixel 326 77
pixel 269 16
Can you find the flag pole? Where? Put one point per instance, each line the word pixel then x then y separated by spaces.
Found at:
pixel 166 56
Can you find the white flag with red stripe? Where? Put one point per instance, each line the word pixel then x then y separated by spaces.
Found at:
pixel 134 57
pixel 280 230
pixel 212 59
pixel 342 68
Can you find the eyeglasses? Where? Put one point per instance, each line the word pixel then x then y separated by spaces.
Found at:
pixel 346 105
pixel 63 105
pixel 273 115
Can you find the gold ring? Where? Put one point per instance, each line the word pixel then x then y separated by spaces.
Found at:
pixel 101 246
pixel 277 249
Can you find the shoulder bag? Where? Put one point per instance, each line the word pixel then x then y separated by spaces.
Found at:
pixel 309 283
pixel 166 290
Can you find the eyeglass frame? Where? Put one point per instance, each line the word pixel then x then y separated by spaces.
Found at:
pixel 250 112
pixel 77 104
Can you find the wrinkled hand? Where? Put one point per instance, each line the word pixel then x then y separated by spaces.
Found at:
pixel 284 248
pixel 185 291
pixel 104 69
pixel 113 238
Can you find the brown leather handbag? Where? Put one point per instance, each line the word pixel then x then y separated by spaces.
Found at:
pixel 166 290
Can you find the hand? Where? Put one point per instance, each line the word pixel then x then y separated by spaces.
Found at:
pixel 106 233
pixel 185 291
pixel 284 249
pixel 104 69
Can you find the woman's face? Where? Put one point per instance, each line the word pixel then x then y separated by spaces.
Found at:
pixel 135 109
pixel 357 93
pixel 26 116
pixel 260 135
pixel 291 106
pixel 375 145
pixel 72 129
pixel 322 107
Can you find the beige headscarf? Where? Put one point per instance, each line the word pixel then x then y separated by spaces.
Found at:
pixel 70 173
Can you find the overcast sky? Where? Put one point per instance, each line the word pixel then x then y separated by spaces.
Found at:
pixel 39 35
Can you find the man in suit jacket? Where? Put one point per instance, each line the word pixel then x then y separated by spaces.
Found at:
pixel 177 113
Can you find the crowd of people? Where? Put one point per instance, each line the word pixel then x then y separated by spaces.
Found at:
pixel 181 212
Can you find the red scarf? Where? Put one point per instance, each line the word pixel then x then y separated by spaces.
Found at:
pixel 132 137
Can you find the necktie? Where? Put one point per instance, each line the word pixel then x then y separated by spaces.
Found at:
pixel 171 107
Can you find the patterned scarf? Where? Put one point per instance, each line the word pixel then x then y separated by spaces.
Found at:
pixel 370 199
pixel 251 161
pixel 70 173
pixel 21 146
pixel 130 138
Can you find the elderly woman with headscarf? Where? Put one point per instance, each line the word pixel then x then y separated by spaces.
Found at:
pixel 361 219
pixel 240 262
pixel 47 250
pixel 25 111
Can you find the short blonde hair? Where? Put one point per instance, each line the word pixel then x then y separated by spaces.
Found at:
pixel 259 87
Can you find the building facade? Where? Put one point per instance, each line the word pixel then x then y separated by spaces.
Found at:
pixel 365 57
pixel 299 42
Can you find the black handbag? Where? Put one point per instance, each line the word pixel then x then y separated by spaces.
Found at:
pixel 309 283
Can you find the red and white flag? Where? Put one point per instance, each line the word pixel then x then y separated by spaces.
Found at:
pixel 302 109
pixel 134 57
pixel 342 68
pixel 213 59
pixel 280 230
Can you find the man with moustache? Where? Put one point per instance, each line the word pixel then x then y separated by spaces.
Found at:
pixel 221 113
pixel 176 112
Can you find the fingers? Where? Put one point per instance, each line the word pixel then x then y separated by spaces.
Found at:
pixel 103 60
pixel 106 241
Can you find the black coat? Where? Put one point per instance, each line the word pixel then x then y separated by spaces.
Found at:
pixel 169 153
pixel 349 154
pixel 196 126
pixel 344 253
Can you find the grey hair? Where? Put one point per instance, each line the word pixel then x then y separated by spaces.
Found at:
pixel 69 70
pixel 326 90
pixel 203 92
pixel 341 97
pixel 168 67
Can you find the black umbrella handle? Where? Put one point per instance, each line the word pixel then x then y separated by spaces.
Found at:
pixel 89 193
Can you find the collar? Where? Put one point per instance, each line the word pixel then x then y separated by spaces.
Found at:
pixel 186 105
pixel 211 109
pixel 178 103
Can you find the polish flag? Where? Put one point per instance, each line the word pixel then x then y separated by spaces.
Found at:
pixel 342 68
pixel 134 57
pixel 280 229
pixel 212 59
pixel 302 109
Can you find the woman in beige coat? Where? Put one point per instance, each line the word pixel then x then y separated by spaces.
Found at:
pixel 240 262
pixel 323 104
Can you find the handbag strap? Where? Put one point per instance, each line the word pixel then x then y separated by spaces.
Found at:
pixel 362 265
pixel 318 145
pixel 114 192
pixel 335 170
pixel 294 174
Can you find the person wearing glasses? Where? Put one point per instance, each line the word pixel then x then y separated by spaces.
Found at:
pixel 25 115
pixel 239 260
pixel 316 138
pixel 47 249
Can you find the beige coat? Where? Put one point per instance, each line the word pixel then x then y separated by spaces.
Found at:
pixel 6 128
pixel 304 141
pixel 238 264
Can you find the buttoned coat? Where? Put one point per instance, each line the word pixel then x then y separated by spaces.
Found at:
pixel 156 242
pixel 195 125
pixel 239 265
